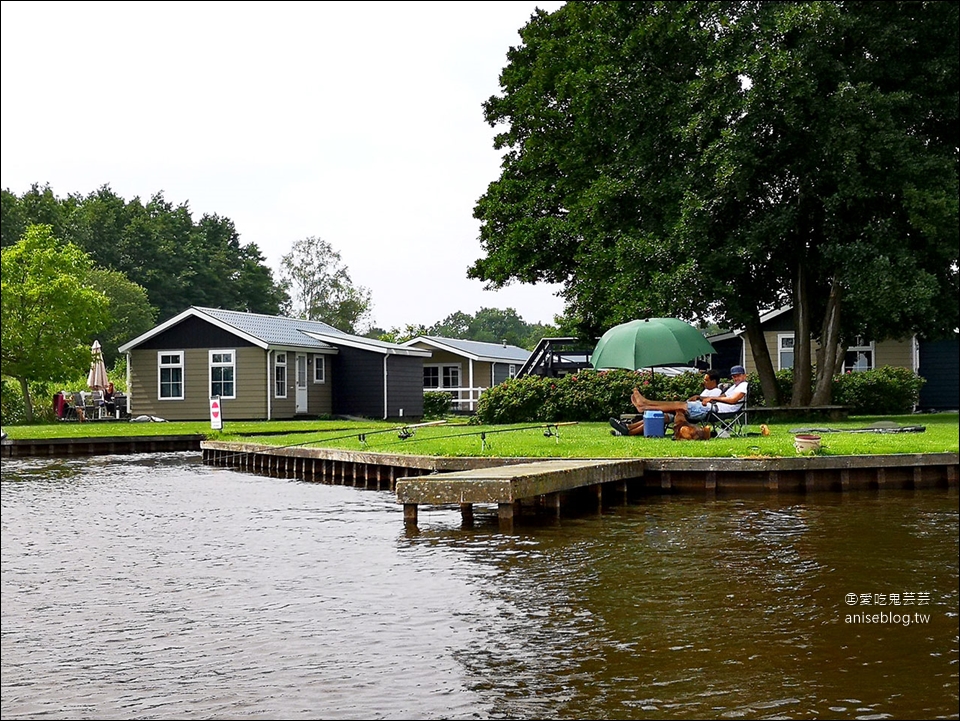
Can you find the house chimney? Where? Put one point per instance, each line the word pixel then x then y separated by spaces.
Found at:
pixel 504 341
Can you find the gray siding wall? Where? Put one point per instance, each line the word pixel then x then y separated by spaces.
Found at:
pixel 250 403
pixel 501 372
pixel 320 395
pixel 404 387
pixel 359 387
pixel 938 365
pixel 284 407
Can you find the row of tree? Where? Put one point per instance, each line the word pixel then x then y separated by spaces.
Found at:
pixel 714 160
pixel 108 269
pixel 177 260
pixel 489 325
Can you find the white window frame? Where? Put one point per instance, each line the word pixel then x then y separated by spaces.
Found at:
pixel 443 371
pixel 165 361
pixel 512 370
pixel 319 369
pixel 781 337
pixel 279 364
pixel 861 347
pixel 213 363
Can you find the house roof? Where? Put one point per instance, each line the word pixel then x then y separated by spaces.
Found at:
pixel 737 332
pixel 271 331
pixel 474 349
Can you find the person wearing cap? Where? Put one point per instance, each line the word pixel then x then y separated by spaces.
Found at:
pixel 695 409
pixel 730 402
pixel 734 398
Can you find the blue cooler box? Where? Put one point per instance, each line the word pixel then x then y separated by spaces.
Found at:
pixel 653 424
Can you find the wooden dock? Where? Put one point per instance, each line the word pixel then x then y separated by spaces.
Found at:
pixel 93 446
pixel 518 485
pixel 509 486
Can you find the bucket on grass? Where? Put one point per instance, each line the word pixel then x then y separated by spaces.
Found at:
pixel 806 443
pixel 653 424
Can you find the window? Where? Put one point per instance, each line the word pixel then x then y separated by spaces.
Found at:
pixel 319 369
pixel 512 371
pixel 451 376
pixel 170 375
pixel 280 375
pixel 222 374
pixel 859 357
pixel 785 351
pixel 441 376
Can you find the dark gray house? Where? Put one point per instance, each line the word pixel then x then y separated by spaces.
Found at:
pixel 267 367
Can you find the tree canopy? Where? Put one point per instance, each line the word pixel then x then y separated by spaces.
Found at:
pixel 489 325
pixel 321 288
pixel 178 261
pixel 48 311
pixel 713 160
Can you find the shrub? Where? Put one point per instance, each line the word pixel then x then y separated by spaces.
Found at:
pixel 887 390
pixel 11 403
pixel 587 395
pixel 436 404
pixel 882 391
pixel 13 407
pixel 590 395
pixel 517 400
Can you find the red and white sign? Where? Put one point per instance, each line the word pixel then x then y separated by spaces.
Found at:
pixel 216 414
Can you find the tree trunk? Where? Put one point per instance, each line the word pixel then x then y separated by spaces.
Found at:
pixel 761 359
pixel 829 342
pixel 27 402
pixel 801 340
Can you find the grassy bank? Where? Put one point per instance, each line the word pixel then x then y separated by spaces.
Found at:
pixel 583 440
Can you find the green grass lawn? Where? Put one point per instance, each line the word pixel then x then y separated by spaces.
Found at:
pixel 581 440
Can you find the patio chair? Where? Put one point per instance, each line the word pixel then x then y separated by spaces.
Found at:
pixel 733 423
pixel 80 406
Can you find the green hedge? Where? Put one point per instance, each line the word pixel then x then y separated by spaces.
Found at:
pixel 590 395
pixel 436 404
pixel 587 395
pixel 884 391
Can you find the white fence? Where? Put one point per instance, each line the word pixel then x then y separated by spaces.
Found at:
pixel 462 399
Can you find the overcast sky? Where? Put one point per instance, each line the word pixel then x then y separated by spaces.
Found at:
pixel 356 122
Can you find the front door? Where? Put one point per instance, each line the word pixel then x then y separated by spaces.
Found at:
pixel 301 383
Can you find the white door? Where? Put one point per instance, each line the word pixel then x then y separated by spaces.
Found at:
pixel 301 383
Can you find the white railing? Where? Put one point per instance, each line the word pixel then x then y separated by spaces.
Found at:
pixel 460 397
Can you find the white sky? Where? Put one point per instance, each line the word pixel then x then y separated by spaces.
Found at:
pixel 357 122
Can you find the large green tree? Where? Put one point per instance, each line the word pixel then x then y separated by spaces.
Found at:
pixel 178 260
pixel 48 310
pixel 712 160
pixel 321 288
pixel 128 308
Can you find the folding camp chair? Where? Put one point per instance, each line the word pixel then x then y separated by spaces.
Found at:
pixel 733 423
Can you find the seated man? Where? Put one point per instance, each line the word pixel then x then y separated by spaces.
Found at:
pixel 734 398
pixel 693 409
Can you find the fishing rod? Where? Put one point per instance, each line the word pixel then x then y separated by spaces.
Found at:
pixel 403 432
pixel 549 430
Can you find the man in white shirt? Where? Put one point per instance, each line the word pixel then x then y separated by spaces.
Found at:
pixel 695 408
pixel 698 407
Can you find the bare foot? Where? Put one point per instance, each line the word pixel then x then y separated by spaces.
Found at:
pixel 639 402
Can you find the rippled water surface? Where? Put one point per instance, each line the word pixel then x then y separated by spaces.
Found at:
pixel 153 587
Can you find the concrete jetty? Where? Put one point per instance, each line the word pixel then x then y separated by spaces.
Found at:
pixel 508 486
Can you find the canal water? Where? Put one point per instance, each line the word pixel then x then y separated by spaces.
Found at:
pixel 154 587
